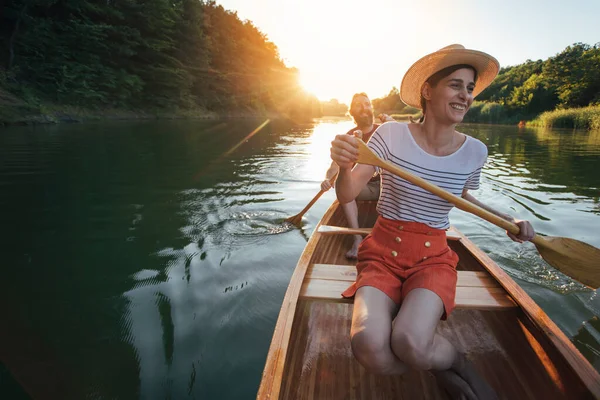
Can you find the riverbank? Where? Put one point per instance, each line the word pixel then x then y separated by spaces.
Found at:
pixel 498 114
pixel 19 113
pixel 14 111
pixel 23 114
pixel 576 118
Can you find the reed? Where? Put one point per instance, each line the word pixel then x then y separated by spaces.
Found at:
pixel 575 118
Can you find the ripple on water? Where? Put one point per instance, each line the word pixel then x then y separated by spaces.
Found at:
pixel 527 265
pixel 145 274
pixel 257 223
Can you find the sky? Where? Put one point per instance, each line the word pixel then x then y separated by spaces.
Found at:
pixel 342 47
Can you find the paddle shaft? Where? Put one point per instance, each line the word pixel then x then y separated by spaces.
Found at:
pixel 313 201
pixel 309 205
pixel 459 202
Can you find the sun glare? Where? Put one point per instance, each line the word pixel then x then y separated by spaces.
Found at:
pixel 319 148
pixel 337 57
pixel 314 85
pixel 341 47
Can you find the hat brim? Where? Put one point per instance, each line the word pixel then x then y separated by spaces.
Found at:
pixel 487 68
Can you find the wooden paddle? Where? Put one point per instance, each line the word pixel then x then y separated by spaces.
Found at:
pixel 296 219
pixel 579 260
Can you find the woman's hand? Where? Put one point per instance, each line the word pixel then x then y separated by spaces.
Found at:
pixel 344 150
pixel 326 185
pixel 526 232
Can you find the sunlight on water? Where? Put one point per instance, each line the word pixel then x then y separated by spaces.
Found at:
pixel 318 148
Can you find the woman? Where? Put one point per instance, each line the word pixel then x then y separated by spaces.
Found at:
pixel 407 273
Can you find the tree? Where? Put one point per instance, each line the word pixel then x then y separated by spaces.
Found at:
pixel 575 73
pixel 533 96
pixel 390 103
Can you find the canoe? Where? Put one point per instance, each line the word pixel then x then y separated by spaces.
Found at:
pixel 512 342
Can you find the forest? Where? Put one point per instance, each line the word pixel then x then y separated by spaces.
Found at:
pixel 142 55
pixel 193 57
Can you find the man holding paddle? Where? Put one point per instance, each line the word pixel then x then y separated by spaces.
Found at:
pixel 361 111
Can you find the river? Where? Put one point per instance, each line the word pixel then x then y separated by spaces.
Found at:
pixel 149 259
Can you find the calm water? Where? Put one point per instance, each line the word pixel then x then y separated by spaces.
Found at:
pixel 149 260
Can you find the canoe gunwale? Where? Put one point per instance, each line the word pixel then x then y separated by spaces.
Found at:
pixel 270 385
pixel 582 367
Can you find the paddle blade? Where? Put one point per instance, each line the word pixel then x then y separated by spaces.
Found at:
pixel 295 220
pixel 579 260
pixel 366 155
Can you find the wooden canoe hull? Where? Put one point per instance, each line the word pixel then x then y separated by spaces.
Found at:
pixel 519 350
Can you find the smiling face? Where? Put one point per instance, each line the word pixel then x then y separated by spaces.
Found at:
pixel 450 99
pixel 362 111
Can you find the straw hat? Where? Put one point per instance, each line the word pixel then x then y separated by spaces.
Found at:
pixel 486 66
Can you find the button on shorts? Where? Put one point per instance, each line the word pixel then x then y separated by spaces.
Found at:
pixel 399 256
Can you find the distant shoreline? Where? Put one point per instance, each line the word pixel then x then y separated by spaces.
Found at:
pixel 24 115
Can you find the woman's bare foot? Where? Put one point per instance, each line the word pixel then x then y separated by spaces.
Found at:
pixel 454 385
pixel 466 370
pixel 352 254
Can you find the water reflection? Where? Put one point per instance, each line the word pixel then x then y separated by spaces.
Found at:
pixel 148 260
pixel 556 159
pixel 524 176
pixel 226 229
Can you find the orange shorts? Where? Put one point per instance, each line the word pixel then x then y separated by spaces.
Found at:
pixel 399 256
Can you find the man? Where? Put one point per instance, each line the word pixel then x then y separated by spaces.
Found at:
pixel 361 111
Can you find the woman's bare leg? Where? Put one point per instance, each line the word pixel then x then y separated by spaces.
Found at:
pixel 415 342
pixel 371 330
pixel 414 339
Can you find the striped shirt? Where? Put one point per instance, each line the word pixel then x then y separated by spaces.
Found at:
pixel 402 200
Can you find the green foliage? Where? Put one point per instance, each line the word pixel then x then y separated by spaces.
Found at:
pixel 575 73
pixel 169 54
pixel 569 79
pixel 410 110
pixel 576 118
pixel 533 96
pixel 390 104
pixel 486 112
pixel 508 79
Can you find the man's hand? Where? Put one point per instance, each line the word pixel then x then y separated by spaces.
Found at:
pixel 385 118
pixel 326 185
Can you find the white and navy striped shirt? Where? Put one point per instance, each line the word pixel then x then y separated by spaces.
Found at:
pixel 402 200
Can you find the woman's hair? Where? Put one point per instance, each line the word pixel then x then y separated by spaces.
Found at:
pixel 434 79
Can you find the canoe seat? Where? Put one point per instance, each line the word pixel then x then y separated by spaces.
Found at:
pixel 475 289
pixel 342 230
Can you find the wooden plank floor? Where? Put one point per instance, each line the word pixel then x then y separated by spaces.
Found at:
pixel 513 356
pixel 501 345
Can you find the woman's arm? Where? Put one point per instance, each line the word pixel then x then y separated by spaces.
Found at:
pixel 526 229
pixel 350 180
